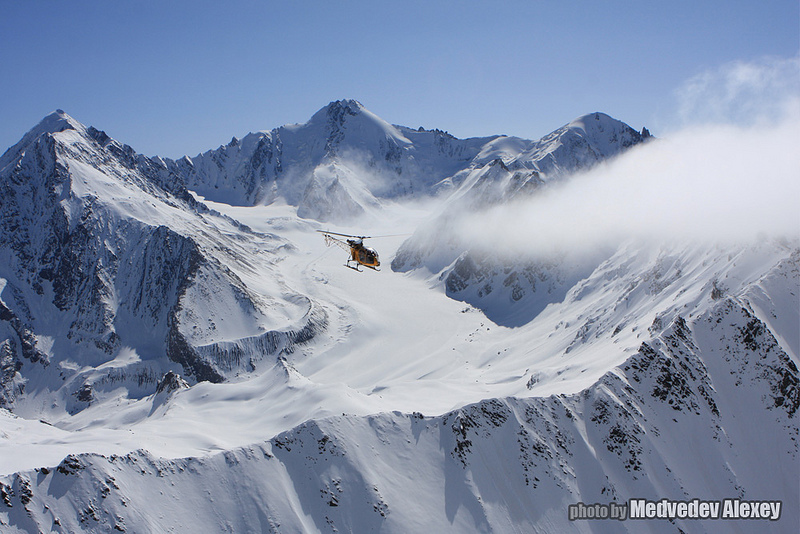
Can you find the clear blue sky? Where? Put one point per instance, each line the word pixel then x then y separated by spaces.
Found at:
pixel 180 77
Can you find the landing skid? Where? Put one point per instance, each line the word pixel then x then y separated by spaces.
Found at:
pixel 356 268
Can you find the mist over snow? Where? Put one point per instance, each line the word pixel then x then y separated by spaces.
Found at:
pixel 730 175
pixel 716 183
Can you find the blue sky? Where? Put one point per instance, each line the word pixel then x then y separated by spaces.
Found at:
pixel 180 77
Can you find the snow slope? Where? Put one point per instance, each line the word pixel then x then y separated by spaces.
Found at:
pixel 371 401
pixel 663 424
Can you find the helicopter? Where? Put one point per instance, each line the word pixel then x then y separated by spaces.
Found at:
pixel 359 254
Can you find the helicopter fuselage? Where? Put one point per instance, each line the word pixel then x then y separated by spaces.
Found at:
pixel 362 255
pixel 359 254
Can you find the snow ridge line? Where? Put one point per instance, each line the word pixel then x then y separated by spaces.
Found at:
pixel 355 470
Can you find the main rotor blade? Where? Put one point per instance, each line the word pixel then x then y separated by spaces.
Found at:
pixel 392 235
pixel 363 236
pixel 344 235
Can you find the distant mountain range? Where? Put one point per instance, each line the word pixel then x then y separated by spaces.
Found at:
pixel 346 159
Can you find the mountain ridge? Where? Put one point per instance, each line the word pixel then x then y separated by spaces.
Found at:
pixel 364 159
pixel 339 482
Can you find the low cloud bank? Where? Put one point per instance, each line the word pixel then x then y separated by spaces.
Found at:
pixel 726 177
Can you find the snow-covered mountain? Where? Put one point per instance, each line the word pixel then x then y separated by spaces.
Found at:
pixel 110 277
pixel 345 159
pixel 508 170
pixel 178 329
pixel 332 167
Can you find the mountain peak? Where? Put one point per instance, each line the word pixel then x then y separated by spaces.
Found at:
pixel 595 120
pixel 337 112
pixel 603 132
pixel 349 105
pixel 55 122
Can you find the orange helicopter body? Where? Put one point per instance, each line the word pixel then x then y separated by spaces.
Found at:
pixel 359 253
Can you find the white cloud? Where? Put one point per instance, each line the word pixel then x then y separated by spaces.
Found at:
pixel 741 92
pixel 731 174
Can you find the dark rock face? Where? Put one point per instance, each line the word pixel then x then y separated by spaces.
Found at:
pixel 170 382
pixel 70 245
pixel 85 394
pixel 179 351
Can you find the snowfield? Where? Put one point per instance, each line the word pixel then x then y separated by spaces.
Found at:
pixel 180 351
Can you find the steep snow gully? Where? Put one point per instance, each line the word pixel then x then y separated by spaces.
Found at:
pixel 180 352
